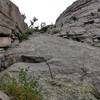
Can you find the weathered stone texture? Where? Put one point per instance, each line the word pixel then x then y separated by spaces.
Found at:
pixel 10 16
pixel 81 21
pixel 70 62
pixel 10 19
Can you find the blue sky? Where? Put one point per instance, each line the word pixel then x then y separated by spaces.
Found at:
pixel 45 10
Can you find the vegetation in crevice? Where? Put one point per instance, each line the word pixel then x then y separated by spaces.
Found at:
pixel 21 88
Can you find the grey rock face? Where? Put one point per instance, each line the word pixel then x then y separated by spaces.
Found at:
pixel 11 20
pixel 81 22
pixel 70 62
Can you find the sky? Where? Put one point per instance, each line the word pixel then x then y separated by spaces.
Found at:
pixel 45 10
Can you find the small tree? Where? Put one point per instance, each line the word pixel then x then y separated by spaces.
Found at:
pixel 44 27
pixel 33 21
pixel 43 24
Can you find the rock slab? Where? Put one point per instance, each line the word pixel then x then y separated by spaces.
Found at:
pixel 70 62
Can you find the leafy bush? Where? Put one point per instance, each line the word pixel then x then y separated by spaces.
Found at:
pixel 44 29
pixel 21 88
pixel 30 31
pixel 23 36
pixel 36 29
pixel 40 29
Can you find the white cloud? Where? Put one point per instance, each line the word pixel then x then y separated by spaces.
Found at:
pixel 45 10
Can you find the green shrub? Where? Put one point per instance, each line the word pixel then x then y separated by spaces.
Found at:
pixel 30 31
pixel 21 88
pixel 44 29
pixel 36 29
pixel 23 36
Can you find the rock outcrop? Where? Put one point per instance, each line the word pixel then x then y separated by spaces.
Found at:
pixel 65 69
pixel 71 62
pixel 81 22
pixel 11 21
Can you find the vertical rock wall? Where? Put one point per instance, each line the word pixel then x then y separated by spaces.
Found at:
pixel 10 20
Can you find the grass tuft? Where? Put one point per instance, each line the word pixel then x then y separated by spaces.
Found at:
pixel 21 88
